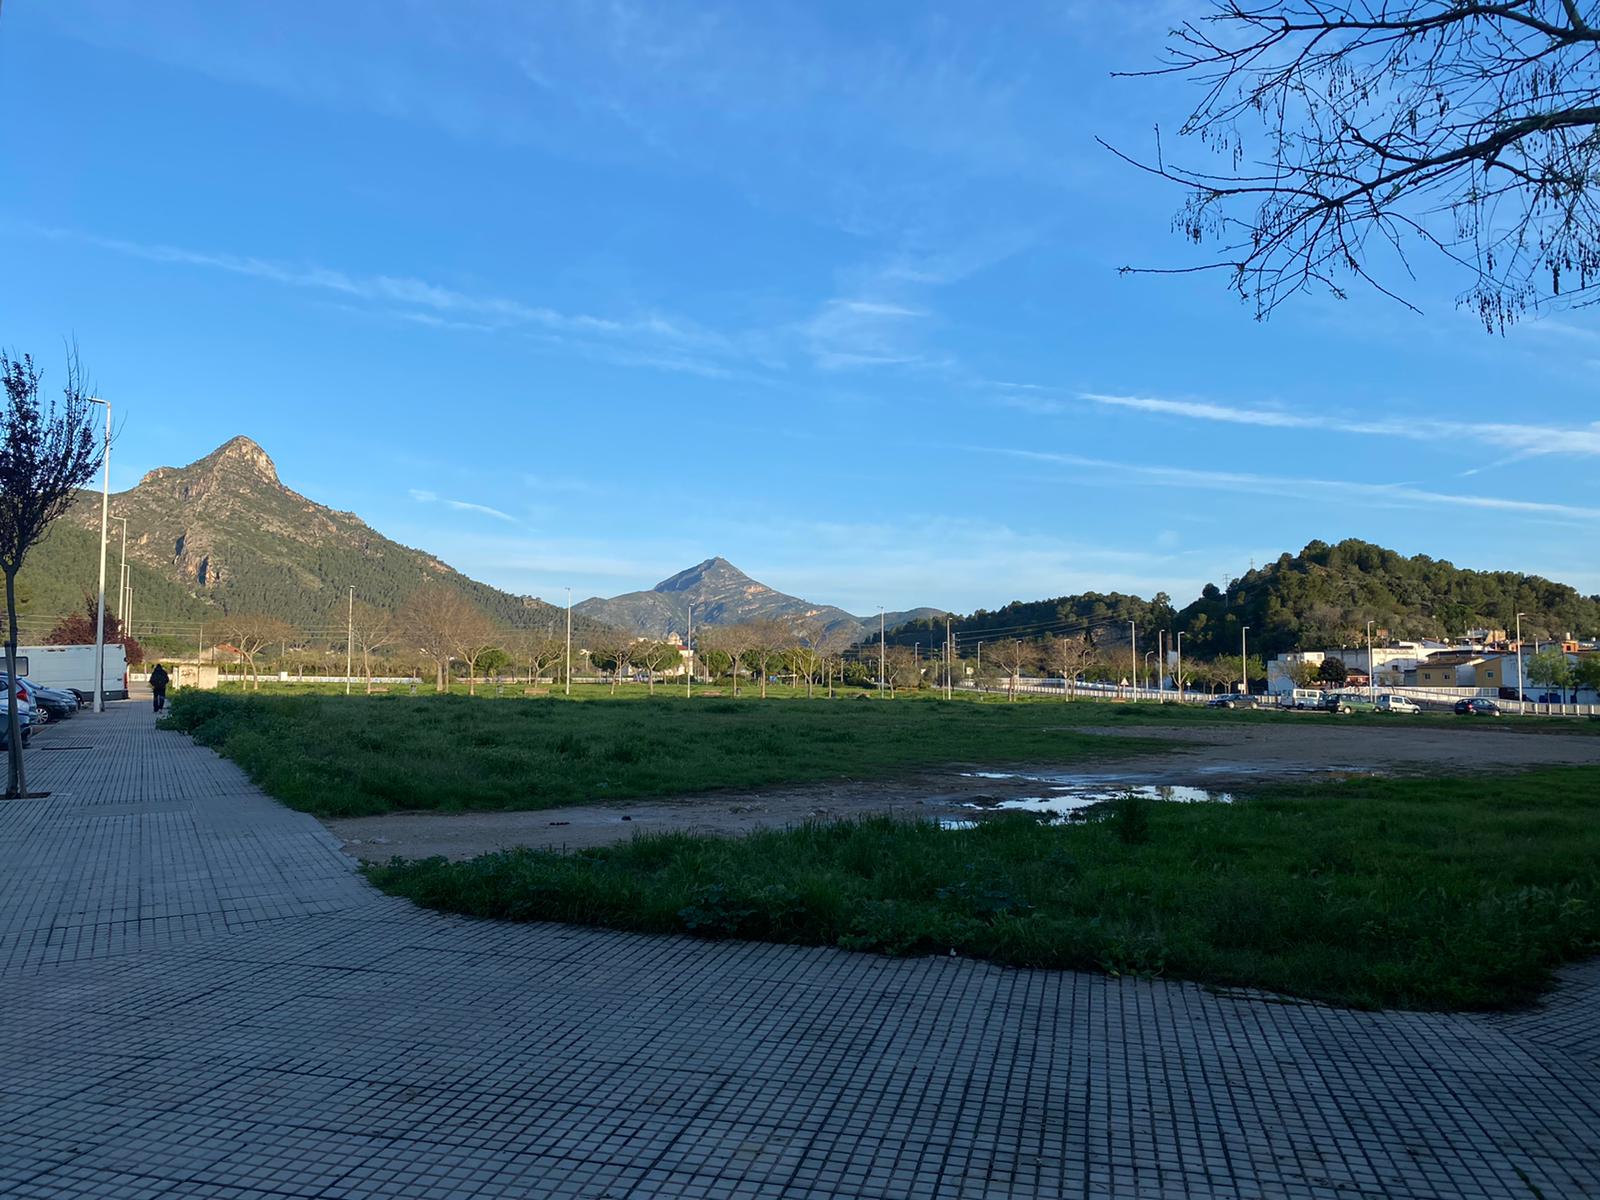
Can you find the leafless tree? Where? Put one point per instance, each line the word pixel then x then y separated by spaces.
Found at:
pixel 814 648
pixel 656 657
pixel 250 634
pixel 48 450
pixel 900 669
pixel 767 641
pixel 1351 131
pixel 472 635
pixel 1069 657
pixel 434 617
pixel 732 640
pixel 540 649
pixel 1014 656
pixel 372 628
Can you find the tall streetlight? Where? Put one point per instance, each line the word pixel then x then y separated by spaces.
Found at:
pixel 1133 650
pixel 1520 709
pixel 688 683
pixel 569 641
pixel 1180 664
pixel 100 615
pixel 350 641
pixel 122 574
pixel 1244 662
pixel 1372 669
pixel 883 652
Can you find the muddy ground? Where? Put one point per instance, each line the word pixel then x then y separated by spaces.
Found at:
pixel 1216 758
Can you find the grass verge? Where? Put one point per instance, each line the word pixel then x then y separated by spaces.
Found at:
pixel 1430 894
pixel 339 756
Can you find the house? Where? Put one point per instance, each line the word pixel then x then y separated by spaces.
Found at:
pixel 1448 670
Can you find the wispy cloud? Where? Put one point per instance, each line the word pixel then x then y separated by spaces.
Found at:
pixel 1383 494
pixel 426 497
pixel 1523 440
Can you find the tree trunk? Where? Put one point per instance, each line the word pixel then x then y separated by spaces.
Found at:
pixel 366 667
pixel 16 772
pixel 763 679
pixel 472 677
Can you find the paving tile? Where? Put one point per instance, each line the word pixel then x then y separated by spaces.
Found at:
pixel 200 997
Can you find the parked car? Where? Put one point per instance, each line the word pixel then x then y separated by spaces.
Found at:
pixel 26 713
pixel 1223 702
pixel 1346 703
pixel 1397 704
pixel 56 702
pixel 1477 708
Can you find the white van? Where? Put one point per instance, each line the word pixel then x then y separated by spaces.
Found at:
pixel 1396 704
pixel 71 668
pixel 1305 698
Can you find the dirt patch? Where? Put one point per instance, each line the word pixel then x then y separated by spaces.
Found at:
pixel 1214 757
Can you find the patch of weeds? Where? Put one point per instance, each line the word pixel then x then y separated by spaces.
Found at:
pixel 1130 819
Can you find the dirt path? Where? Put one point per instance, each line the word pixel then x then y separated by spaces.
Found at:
pixel 1215 758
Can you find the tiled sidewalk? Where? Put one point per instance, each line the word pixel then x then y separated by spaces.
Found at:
pixel 199 998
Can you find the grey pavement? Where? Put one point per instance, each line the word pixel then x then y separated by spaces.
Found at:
pixel 199 997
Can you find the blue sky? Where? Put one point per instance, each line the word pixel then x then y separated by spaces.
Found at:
pixel 577 294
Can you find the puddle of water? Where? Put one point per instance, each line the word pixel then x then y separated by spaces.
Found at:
pixel 1074 797
pixel 956 823
pixel 992 775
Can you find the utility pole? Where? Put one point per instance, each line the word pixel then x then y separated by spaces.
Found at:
pixel 350 642
pixel 883 652
pixel 100 621
pixel 1179 671
pixel 1244 661
pixel 978 682
pixel 688 683
pixel 1133 649
pixel 569 641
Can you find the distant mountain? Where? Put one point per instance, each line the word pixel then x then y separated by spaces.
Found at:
pixel 223 534
pixel 723 595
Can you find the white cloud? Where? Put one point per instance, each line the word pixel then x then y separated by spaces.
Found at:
pixel 1378 493
pixel 1524 440
pixel 426 497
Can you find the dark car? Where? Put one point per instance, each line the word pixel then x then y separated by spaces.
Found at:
pixel 1477 708
pixel 1223 702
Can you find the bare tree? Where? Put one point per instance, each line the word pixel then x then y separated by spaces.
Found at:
pixel 372 628
pixel 656 657
pixel 1069 657
pixel 766 643
pixel 432 616
pixel 815 646
pixel 1467 126
pixel 48 451
pixel 472 635
pixel 900 669
pixel 250 634
pixel 1014 656
pixel 540 649
pixel 732 640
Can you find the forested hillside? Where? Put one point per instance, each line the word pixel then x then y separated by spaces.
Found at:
pixel 1325 595
pixel 1321 597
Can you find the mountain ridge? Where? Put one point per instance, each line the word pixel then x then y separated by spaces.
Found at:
pixel 722 594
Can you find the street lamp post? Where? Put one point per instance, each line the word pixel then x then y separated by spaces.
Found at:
pixel 100 614
pixel 1372 669
pixel 1133 650
pixel 350 641
pixel 1244 662
pixel 1520 688
pixel 688 683
pixel 1180 664
pixel 569 642
pixel 122 574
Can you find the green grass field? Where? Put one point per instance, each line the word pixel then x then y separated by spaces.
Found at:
pixel 339 756
pixel 1432 894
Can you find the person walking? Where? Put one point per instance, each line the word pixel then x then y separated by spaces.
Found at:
pixel 158 686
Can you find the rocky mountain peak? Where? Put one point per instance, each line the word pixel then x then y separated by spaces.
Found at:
pixel 713 572
pixel 241 451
